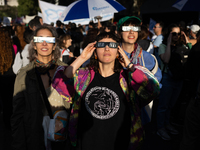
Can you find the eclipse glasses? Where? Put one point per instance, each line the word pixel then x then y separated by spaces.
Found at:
pixel 103 44
pixel 128 28
pixel 38 39
pixel 176 34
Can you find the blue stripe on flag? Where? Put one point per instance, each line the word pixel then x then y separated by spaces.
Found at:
pixel 76 12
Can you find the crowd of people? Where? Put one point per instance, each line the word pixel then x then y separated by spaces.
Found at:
pixel 106 77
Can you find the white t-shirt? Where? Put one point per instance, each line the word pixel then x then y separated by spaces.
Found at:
pixel 64 52
pixel 18 62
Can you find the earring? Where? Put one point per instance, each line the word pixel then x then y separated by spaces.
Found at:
pixel 95 57
pixel 117 57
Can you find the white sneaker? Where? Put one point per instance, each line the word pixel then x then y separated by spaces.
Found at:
pixel 171 129
pixel 163 134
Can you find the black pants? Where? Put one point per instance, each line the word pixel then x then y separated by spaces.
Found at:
pixel 6 96
pixel 191 132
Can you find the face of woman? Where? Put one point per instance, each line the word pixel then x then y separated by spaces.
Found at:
pixel 175 33
pixel 68 43
pixel 106 55
pixel 44 49
pixel 129 37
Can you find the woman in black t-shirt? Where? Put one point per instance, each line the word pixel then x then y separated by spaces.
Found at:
pixel 106 97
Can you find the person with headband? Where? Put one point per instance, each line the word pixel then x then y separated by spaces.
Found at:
pixel 128 28
pixel 28 105
pixel 105 112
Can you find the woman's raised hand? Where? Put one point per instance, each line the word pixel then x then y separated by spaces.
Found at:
pixel 123 58
pixel 186 38
pixel 88 51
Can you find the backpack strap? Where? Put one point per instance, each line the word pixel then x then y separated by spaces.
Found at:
pixel 63 51
pixel 44 95
pixel 142 60
pixel 155 68
pixel 20 53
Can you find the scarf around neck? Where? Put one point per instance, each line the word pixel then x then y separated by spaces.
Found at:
pixel 43 68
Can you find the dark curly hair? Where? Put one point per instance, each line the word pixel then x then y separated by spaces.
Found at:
pixel 33 53
pixel 6 51
pixel 168 30
pixel 19 29
pixel 94 63
pixel 90 37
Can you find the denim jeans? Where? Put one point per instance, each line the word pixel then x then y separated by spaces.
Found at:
pixel 169 94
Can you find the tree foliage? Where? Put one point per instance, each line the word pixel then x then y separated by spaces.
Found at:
pixel 30 7
pixel 8 11
pixel 27 7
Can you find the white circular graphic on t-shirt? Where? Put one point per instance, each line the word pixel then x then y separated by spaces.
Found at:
pixel 102 103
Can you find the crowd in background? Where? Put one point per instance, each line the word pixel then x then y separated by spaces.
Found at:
pixel 178 81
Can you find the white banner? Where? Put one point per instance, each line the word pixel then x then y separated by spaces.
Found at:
pixel 27 18
pixel 2 2
pixel 86 21
pixel 105 17
pixel 39 14
pixel 50 12
pixel 79 21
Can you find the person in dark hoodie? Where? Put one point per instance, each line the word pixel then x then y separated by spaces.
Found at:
pixel 192 118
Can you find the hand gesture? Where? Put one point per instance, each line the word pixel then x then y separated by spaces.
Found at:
pixel 71 54
pixel 186 38
pixel 123 58
pixel 88 51
pixel 169 39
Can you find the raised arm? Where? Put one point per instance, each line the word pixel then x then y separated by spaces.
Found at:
pixel 166 56
pixel 85 55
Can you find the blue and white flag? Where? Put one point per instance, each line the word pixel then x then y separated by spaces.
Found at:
pixel 51 12
pixel 152 23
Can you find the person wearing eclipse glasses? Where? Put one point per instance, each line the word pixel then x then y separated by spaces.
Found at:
pixel 105 112
pixel 128 29
pixel 28 105
pixel 170 51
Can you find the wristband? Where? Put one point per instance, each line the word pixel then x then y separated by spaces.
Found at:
pixel 127 67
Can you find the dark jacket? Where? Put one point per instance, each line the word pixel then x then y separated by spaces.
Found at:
pixel 26 121
pixel 192 72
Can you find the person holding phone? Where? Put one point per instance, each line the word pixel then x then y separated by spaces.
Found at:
pixel 106 98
